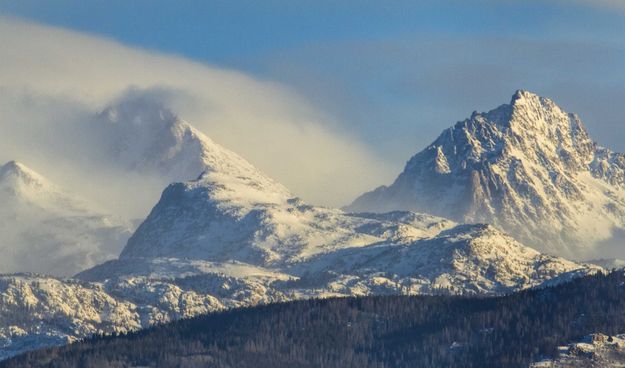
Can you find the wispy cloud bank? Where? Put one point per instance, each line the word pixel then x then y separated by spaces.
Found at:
pixel 53 80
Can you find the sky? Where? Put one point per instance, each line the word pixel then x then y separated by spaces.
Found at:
pixel 356 87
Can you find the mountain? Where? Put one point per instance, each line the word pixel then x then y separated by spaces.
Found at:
pixel 240 215
pixel 142 135
pixel 220 217
pixel 38 311
pixel 48 230
pixel 527 167
pixel 233 237
pixel 466 259
pixel 391 331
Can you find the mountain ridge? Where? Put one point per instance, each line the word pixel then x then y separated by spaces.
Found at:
pixel 234 237
pixel 527 167
pixel 379 331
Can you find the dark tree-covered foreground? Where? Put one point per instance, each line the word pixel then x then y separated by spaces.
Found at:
pixel 393 331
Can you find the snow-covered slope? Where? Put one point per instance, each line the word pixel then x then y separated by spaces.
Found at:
pixel 234 237
pixel 247 219
pixel 597 350
pixel 466 259
pixel 45 229
pixel 207 219
pixel 527 167
pixel 145 136
pixel 608 263
pixel 39 311
pixel 236 222
pixel 132 293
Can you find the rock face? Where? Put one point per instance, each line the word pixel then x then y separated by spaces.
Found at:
pixel 527 167
pixel 45 229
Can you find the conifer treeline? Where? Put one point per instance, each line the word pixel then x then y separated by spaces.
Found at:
pixel 390 331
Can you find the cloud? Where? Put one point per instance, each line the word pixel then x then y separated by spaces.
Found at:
pixel 53 80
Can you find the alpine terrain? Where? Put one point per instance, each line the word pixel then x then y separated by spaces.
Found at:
pixel 48 230
pixel 528 168
pixel 425 331
pixel 233 237
pixel 141 135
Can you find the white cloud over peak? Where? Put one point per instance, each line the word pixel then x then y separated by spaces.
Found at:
pixel 53 80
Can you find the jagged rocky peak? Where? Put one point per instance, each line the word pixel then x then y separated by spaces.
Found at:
pixel 527 167
pixel 529 126
pixel 539 126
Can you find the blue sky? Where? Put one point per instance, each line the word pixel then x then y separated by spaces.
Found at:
pixel 237 32
pixel 393 73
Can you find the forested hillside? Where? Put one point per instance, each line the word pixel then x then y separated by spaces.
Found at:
pixel 392 331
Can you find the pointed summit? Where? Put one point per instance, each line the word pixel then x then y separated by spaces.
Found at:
pixel 142 134
pixel 19 179
pixel 521 95
pixel 10 166
pixel 48 230
pixel 527 167
pixel 15 168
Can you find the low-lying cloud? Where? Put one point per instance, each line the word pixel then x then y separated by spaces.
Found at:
pixel 53 81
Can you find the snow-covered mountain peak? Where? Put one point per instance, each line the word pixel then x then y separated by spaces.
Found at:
pixel 526 100
pixel 232 211
pixel 530 127
pixel 523 97
pixel 20 179
pixel 12 167
pixel 145 135
pixel 527 167
pixel 46 229
pixel 23 186
pixel 233 237
pixel 26 186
